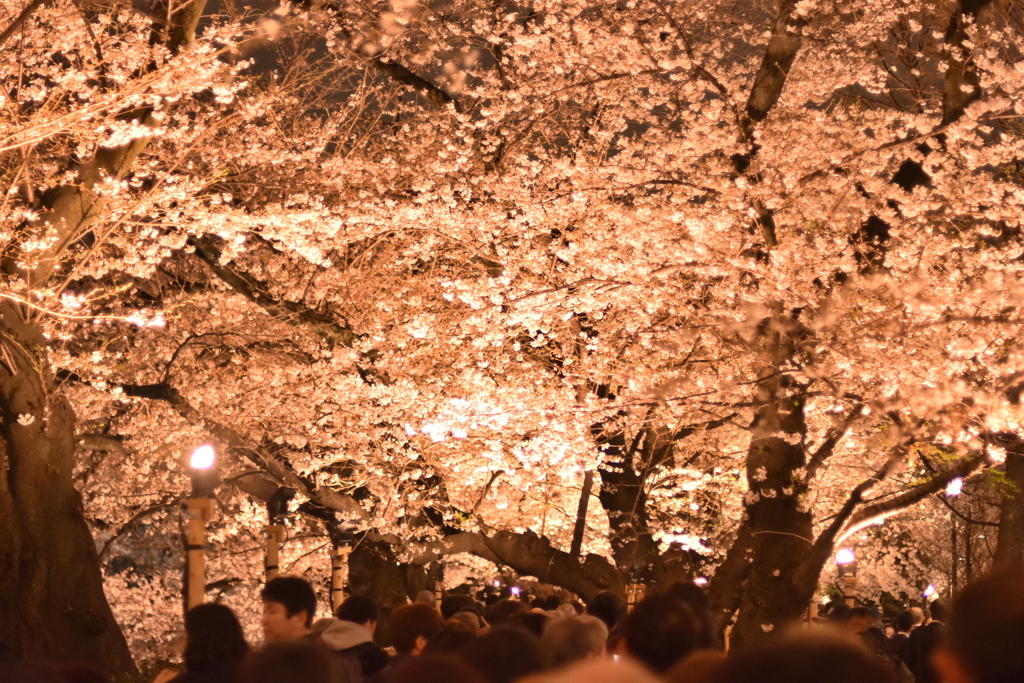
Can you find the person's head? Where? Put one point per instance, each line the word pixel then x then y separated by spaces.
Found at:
pixel 500 612
pixel 985 633
pixel 412 627
pixel 289 604
pixel 860 619
pixel 426 597
pixel 552 602
pixel 904 622
pixel 604 670
pixel 433 667
pixel 296 660
pixel 467 619
pixel 572 639
pixel 505 654
pixel 606 606
pixel 531 621
pixel 819 657
pixel 918 615
pixel 453 604
pixel 701 666
pixel 694 597
pixel 214 638
pixel 359 609
pixel 940 610
pixel 449 640
pixel 660 631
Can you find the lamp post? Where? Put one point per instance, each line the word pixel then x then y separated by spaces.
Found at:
pixel 199 506
pixel 339 562
pixel 846 564
pixel 277 510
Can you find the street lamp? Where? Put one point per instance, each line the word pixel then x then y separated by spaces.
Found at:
pixel 199 504
pixel 846 564
pixel 277 510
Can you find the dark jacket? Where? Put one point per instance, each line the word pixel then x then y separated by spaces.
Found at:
pixel 348 639
pixel 897 645
pixel 920 645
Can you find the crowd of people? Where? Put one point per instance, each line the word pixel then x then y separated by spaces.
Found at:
pixel 666 638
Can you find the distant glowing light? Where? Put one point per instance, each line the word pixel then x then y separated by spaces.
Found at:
pixel 845 556
pixel 700 581
pixel 202 457
pixel 929 591
pixel 955 487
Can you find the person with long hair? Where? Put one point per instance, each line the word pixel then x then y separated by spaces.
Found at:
pixel 214 647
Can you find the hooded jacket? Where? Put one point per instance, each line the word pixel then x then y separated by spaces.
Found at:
pixel 348 638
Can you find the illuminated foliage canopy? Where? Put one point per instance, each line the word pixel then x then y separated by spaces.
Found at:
pixel 754 266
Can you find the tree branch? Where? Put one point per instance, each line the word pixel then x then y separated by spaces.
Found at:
pixel 257 292
pixel 873 514
pixel 19 20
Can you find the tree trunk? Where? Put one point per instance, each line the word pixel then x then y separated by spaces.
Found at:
pixel 781 539
pixel 1010 547
pixel 52 605
pixel 374 571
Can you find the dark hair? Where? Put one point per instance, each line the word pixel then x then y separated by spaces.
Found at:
pixel 500 612
pixel 449 640
pixel 552 602
pixel 295 660
pixel 215 638
pixel 358 609
pixel 694 597
pixel 939 610
pixel 904 621
pixel 409 622
pixel 533 622
pixel 660 632
pixel 987 628
pixel 429 668
pixel 606 606
pixel 453 604
pixel 807 659
pixel 860 613
pixel 295 593
pixel 505 654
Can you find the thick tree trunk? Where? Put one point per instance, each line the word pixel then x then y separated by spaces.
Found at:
pixel 781 539
pixel 374 570
pixel 1010 547
pixel 52 605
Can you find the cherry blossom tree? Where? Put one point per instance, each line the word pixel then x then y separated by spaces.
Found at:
pixel 598 291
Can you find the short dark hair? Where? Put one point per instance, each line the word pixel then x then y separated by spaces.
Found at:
pixel 453 604
pixel 987 628
pixel 295 593
pixel 808 658
pixel 660 632
pixel 296 660
pixel 358 609
pixel 860 613
pixel 531 621
pixel 435 667
pixel 606 606
pixel 939 610
pixel 500 612
pixel 214 638
pixel 505 654
pixel 904 621
pixel 409 622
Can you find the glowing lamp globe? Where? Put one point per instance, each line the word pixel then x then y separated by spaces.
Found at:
pixel 845 556
pixel 700 581
pixel 204 475
pixel 203 457
pixel 846 563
